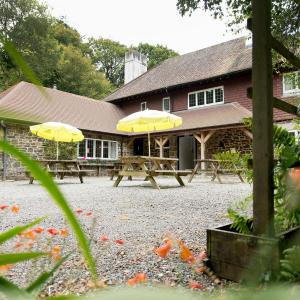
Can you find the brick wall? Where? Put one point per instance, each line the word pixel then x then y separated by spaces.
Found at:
pixel 235 90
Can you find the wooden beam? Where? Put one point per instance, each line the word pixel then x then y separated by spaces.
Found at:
pixel 208 136
pixel 161 141
pixel 130 142
pixel 198 138
pixel 285 52
pixel 280 104
pixel 263 205
pixel 248 133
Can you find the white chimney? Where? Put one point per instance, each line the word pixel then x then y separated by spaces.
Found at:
pixel 135 65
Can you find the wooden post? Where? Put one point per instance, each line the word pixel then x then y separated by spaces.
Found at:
pixel 262 82
pixel 161 141
pixel 202 139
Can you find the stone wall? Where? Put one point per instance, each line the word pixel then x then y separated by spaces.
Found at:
pixel 226 140
pixel 20 137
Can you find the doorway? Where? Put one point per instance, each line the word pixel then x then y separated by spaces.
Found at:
pixel 186 152
pixel 138 147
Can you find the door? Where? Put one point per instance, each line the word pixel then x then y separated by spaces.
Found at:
pixel 186 151
pixel 138 146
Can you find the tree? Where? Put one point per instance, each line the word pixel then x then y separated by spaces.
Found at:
pixel 77 74
pixel 155 54
pixel 285 15
pixel 109 57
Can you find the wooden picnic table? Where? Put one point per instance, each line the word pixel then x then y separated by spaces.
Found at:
pixel 61 168
pixel 217 167
pixel 149 167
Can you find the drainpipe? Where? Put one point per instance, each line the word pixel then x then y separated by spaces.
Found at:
pixel 3 153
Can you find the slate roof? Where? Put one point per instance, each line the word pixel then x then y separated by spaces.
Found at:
pixel 212 62
pixel 25 102
pixel 29 103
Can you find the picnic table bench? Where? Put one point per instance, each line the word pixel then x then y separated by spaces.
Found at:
pixel 61 168
pixel 217 167
pixel 149 168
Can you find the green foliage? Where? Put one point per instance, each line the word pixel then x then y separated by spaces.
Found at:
pixel 13 258
pixel 290 264
pixel 108 55
pixel 9 234
pixel 155 53
pixel 286 192
pixel 65 150
pixel 57 197
pixel 285 18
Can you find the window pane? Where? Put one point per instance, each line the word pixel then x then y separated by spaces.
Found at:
pixel 143 105
pixel 166 104
pixel 219 95
pixel 81 149
pixel 201 98
pixel 90 148
pixel 192 100
pixel 113 150
pixel 289 82
pixel 209 96
pixel 98 149
pixel 105 149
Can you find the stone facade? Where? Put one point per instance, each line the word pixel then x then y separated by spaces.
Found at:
pixel 20 137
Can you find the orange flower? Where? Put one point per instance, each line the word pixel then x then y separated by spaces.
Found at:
pixel 119 242
pixel 15 209
pixel 200 270
pixel 89 213
pixel 53 231
pixel 78 210
pixel 185 254
pixel 64 232
pixel 19 245
pixel 29 235
pixel 56 252
pixel 164 250
pixel 2 207
pixel 196 285
pixel 104 238
pixel 140 277
pixel 5 267
pixel 39 229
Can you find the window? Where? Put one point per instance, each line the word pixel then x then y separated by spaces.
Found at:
pixel 206 97
pixel 291 83
pixel 166 104
pixel 97 149
pixel 143 105
pixel 295 134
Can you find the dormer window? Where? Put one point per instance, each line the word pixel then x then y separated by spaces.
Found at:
pixel 291 83
pixel 206 97
pixel 143 106
pixel 166 104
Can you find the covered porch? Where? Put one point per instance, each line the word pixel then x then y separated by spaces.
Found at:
pixel 204 132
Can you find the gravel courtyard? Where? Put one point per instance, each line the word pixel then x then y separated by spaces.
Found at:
pixel 135 213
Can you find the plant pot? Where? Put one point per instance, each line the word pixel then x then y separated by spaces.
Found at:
pixel 237 256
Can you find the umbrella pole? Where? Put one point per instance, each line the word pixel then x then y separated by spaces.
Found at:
pixel 57 150
pixel 149 148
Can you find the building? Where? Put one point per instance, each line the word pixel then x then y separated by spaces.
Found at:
pixel 207 88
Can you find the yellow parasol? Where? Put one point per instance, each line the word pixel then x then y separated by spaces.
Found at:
pixel 58 132
pixel 149 120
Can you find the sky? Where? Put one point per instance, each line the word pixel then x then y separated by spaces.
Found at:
pixel 149 21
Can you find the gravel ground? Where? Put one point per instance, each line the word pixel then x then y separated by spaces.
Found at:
pixel 135 213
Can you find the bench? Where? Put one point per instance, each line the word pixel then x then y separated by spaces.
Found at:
pixel 61 168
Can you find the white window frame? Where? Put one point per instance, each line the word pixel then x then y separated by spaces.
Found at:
pixel 144 103
pixel 163 104
pixel 290 92
pixel 94 149
pixel 296 134
pixel 204 91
